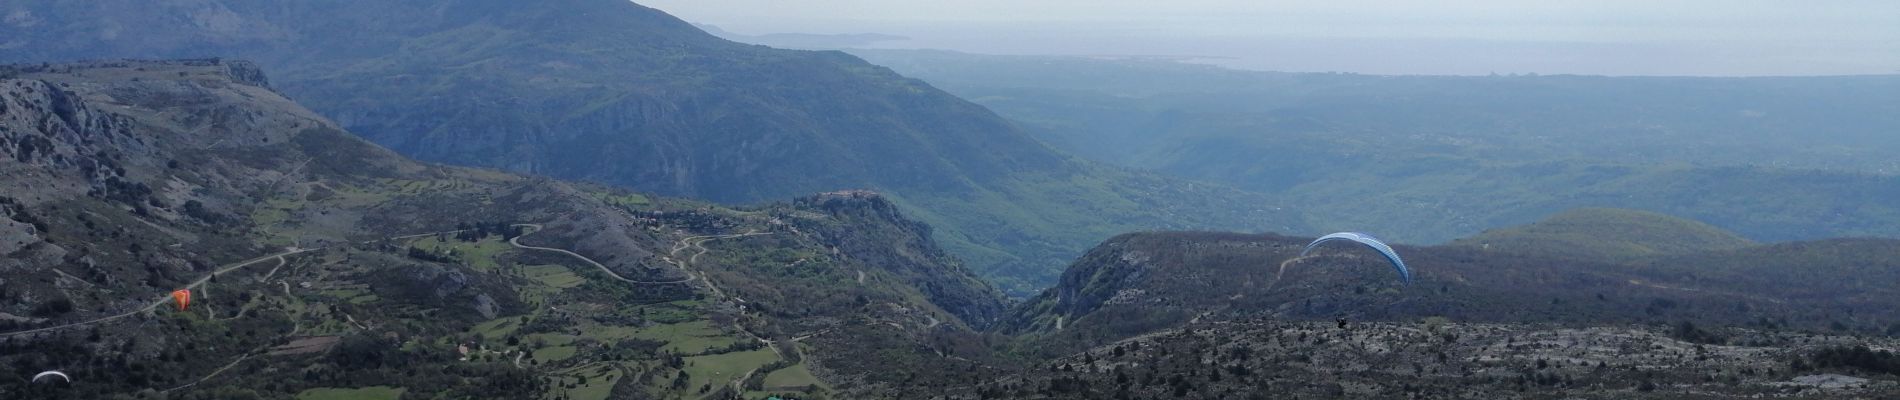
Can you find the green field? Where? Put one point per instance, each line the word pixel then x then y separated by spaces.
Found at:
pixel 796 376
pixel 552 275
pixel 688 337
pixel 721 369
pixel 608 332
pixel 673 312
pixel 628 200
pixel 368 393
pixel 549 339
pixel 352 294
pixel 479 254
pixel 556 353
pixel 498 328
pixel 598 386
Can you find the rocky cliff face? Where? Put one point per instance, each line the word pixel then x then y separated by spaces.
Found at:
pixel 903 248
pixel 126 174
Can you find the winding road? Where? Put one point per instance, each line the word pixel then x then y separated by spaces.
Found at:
pixel 698 242
pixel 694 242
pixel 516 241
pixel 166 297
pixel 162 299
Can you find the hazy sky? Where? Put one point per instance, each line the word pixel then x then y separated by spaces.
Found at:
pixel 1618 37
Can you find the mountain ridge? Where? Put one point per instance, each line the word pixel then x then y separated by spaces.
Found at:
pixel 621 94
pixel 129 179
pixel 1609 233
pixel 1143 282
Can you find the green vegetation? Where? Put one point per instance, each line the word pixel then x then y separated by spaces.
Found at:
pixel 598 382
pixel 1600 233
pixel 479 254
pixel 672 312
pixel 368 393
pixel 687 337
pixel 721 369
pixel 552 275
pixel 498 327
pixel 1011 232
pixel 795 377
pixel 555 353
pixel 625 199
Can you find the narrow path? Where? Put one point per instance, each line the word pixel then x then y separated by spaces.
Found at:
pixel 701 244
pixel 204 295
pixel 273 270
pixel 295 328
pixel 1653 285
pixel 1282 272
pixel 801 338
pixel 738 386
pixel 166 298
pixel 214 373
pixel 428 234
pixel 516 241
pixel 74 278
pixel 201 284
pixel 698 242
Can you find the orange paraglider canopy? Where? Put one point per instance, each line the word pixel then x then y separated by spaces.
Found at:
pixel 183 297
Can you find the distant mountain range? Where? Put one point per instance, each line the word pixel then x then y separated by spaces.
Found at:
pixel 612 92
pixel 1429 159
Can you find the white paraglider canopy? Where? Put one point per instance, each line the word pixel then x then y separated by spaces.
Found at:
pixel 44 375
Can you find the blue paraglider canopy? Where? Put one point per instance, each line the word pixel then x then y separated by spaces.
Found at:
pixel 1369 241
